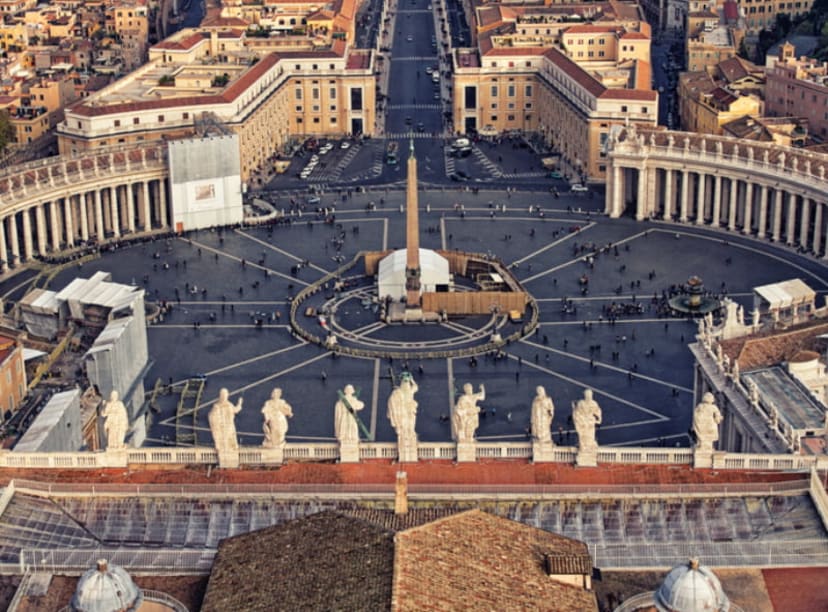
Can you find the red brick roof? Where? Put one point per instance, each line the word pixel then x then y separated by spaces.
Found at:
pixel 183 44
pixel 634 36
pixel 629 94
pixel 592 29
pixel 480 561
pixel 575 72
pixel 233 91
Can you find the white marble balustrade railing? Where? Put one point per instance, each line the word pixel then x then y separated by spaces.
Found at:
pixel 386 450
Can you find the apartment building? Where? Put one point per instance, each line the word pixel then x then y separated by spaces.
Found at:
pixel 269 99
pixel 131 24
pixel 12 374
pixel 799 88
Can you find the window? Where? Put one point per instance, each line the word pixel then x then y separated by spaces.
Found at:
pixel 470 97
pixel 332 93
pixel 528 91
pixel 333 119
pixel 185 115
pixel 510 117
pixel 356 98
pixel 528 105
pixel 494 91
pixel 316 119
pixel 493 118
pixel 160 118
pixel 494 105
pixel 333 107
pixel 644 110
pixel 315 67
pixel 510 91
pixel 315 93
pixel 298 94
pixel 623 109
pixel 298 67
pixel 298 119
pixel 316 108
pixel 135 121
pixel 117 123
pixel 298 108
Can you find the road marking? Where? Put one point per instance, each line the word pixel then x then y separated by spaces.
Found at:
pixel 553 244
pixel 450 371
pixel 257 358
pixel 239 259
pixel 443 233
pixel 218 326
pixel 19 285
pixel 280 251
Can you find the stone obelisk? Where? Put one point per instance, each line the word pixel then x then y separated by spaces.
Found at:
pixel 412 235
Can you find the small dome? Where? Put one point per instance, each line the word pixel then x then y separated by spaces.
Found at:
pixel 107 588
pixel 691 587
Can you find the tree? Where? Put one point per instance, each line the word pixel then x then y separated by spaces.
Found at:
pixel 6 130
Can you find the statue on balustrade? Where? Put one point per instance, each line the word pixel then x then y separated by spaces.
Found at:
pixel 586 413
pixel 346 427
pixel 543 411
pixel 116 423
pixel 275 413
pixel 222 420
pixel 466 415
pixel 402 410
pixel 706 419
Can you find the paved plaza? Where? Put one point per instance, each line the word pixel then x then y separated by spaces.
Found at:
pixel 230 293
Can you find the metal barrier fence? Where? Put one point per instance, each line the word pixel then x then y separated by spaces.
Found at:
pixel 426 491
pixel 77 560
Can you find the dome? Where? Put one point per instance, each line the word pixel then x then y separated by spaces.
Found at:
pixel 691 587
pixel 107 588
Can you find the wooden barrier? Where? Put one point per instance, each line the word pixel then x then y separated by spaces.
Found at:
pixel 474 302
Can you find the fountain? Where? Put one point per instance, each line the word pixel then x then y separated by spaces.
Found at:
pixel 693 301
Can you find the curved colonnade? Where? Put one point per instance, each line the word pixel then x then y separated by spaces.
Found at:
pixel 61 203
pixel 759 189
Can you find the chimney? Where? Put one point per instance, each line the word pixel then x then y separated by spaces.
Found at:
pixel 103 567
pixel 401 494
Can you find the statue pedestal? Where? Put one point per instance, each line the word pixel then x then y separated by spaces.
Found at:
pixel 349 452
pixel 228 458
pixel 543 452
pixel 407 453
pixel 587 457
pixel 702 458
pixel 273 455
pixel 116 458
pixel 466 452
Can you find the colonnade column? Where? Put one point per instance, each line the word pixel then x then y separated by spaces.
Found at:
pixel 99 221
pixel 763 211
pixel 731 209
pixel 790 221
pixel 145 203
pixel 15 246
pixel 28 249
pixel 685 195
pixel 130 207
pixel 700 198
pixel 717 200
pixel 53 213
pixel 113 207
pixel 668 194
pixel 642 205
pixel 68 222
pixel 83 204
pixel 777 215
pixel 40 219
pixel 804 220
pixel 817 228
pixel 4 265
pixel 748 220
pixel 163 216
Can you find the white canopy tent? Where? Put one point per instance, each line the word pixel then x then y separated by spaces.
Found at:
pixel 434 270
pixel 788 299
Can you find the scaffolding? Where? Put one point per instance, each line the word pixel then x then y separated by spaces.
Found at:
pixel 186 413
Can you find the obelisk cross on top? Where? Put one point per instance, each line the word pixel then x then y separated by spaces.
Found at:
pixel 412 235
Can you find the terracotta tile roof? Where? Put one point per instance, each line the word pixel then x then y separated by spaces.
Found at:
pixel 358 59
pixel 327 561
pixel 219 21
pixel 185 43
pixel 474 560
pixel 761 351
pixel 575 72
pixel 86 109
pixel 634 36
pixel 629 94
pixel 514 51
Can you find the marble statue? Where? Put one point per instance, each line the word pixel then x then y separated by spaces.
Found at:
pixel 402 410
pixel 222 422
pixel 734 370
pixel 345 418
pixel 116 423
pixel 753 390
pixel 275 413
pixel 466 415
pixel 543 411
pixel 586 413
pixel 740 315
pixel 706 419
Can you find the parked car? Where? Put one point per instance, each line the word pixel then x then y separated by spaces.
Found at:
pixel 578 188
pixel 555 175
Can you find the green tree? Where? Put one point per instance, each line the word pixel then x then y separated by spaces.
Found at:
pixel 6 130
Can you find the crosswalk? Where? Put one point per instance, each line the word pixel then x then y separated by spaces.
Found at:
pixel 415 58
pixel 488 164
pixel 407 135
pixel 405 107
